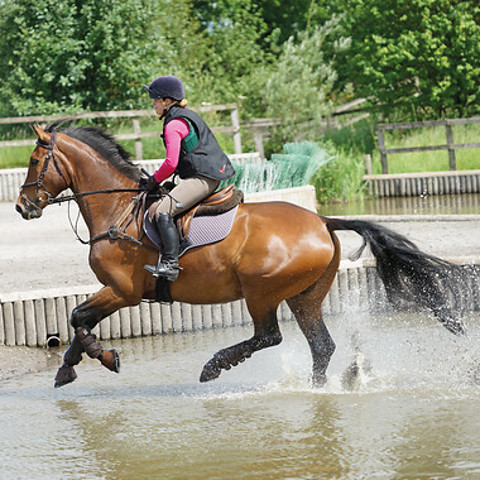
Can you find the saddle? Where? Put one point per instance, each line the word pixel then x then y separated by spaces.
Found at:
pixel 215 204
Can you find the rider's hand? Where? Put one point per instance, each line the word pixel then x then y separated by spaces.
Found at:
pixel 152 184
pixel 149 184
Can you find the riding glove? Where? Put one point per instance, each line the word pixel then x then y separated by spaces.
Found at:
pixel 149 184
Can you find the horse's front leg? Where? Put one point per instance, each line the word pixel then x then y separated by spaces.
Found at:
pixel 84 318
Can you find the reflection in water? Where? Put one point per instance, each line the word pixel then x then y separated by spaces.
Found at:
pixel 466 204
pixel 413 416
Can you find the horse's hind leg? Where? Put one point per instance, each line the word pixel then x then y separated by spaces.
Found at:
pixel 266 334
pixel 322 346
pixel 306 308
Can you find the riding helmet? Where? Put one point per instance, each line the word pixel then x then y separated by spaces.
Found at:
pixel 167 86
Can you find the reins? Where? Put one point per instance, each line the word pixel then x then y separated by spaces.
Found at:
pixel 117 231
pixel 74 196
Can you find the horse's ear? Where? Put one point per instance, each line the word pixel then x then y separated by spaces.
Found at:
pixel 40 132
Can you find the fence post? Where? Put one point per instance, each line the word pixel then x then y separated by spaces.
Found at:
pixel 237 137
pixel 381 146
pixel 451 151
pixel 368 163
pixel 258 141
pixel 138 140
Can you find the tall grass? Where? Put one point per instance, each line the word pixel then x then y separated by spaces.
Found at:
pixel 341 179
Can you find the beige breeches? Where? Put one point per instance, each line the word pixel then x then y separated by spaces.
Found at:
pixel 187 192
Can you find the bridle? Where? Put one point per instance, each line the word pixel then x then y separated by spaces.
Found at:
pixel 49 198
pixel 44 195
pixel 116 231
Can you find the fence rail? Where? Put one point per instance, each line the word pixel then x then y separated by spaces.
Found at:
pixel 135 115
pixel 450 146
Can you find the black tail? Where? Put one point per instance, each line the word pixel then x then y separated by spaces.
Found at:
pixel 407 273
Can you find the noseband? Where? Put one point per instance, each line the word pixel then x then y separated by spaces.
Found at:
pixel 39 183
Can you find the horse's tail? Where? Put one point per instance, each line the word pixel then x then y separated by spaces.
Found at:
pixel 407 273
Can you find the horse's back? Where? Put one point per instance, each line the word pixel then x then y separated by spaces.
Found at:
pixel 292 222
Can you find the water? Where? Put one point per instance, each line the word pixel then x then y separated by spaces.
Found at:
pixel 427 205
pixel 412 411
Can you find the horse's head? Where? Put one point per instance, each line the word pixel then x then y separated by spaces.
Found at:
pixel 45 177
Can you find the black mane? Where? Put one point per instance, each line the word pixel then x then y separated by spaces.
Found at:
pixel 104 143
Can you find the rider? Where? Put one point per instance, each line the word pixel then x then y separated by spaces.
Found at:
pixel 193 153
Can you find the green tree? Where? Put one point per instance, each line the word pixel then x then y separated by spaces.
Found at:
pixel 299 91
pixel 418 57
pixel 77 55
pixel 238 62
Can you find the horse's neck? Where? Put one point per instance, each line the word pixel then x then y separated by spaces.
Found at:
pixel 92 173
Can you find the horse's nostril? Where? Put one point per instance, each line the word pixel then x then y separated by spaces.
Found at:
pixel 18 208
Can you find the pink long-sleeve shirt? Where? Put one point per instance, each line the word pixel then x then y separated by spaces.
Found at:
pixel 175 131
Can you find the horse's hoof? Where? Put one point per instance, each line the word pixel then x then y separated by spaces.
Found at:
pixel 66 374
pixel 111 360
pixel 209 373
pixel 319 380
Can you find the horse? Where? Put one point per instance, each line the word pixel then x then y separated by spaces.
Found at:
pixel 275 251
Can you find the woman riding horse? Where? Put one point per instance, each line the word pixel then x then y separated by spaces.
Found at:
pixel 193 153
pixel 275 251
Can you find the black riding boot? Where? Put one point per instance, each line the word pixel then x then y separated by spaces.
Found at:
pixel 168 263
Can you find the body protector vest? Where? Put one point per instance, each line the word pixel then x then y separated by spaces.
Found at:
pixel 203 158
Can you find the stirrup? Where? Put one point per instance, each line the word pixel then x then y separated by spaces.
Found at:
pixel 168 270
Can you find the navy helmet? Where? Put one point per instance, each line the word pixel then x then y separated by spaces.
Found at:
pixel 167 86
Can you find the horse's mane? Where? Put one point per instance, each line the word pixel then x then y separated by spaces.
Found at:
pixel 102 142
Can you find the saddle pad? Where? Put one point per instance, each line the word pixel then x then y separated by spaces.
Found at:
pixel 203 230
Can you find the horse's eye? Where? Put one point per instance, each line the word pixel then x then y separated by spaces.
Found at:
pixel 34 162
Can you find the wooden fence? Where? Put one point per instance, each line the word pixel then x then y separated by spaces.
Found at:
pixel 41 318
pixel 259 128
pixel 450 146
pixel 352 112
pixel 135 115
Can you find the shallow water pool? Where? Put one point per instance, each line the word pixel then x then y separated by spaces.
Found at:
pixel 410 412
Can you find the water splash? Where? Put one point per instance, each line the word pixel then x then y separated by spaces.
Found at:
pixel 359 372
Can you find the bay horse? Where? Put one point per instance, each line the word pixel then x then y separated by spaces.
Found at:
pixel 275 251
